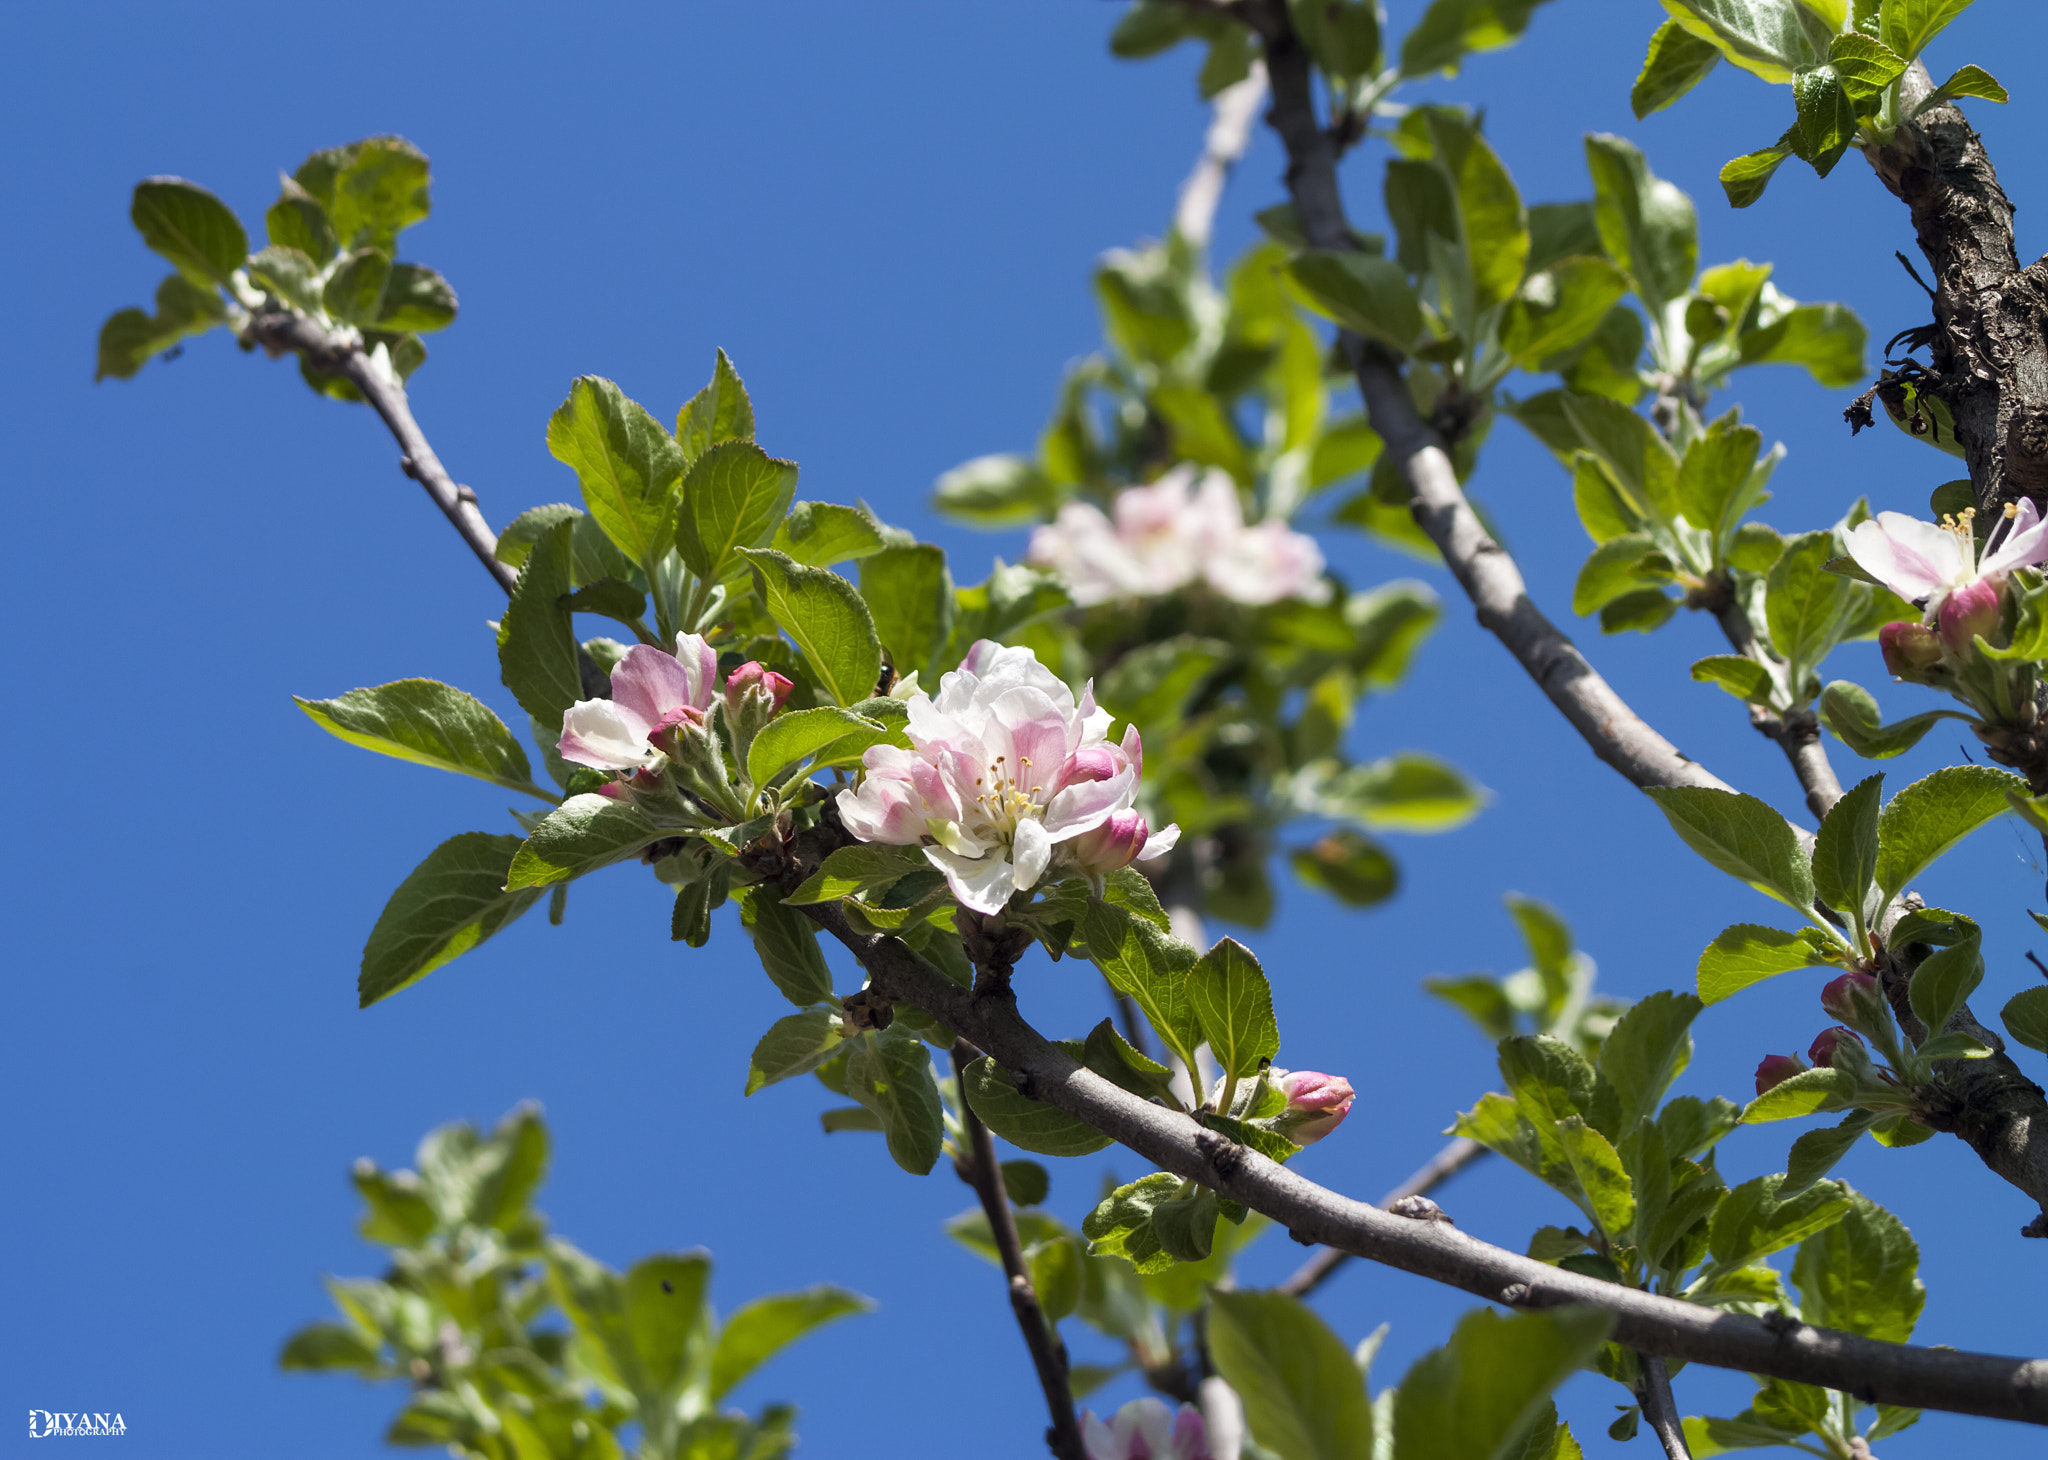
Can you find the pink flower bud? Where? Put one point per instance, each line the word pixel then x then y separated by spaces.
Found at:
pixel 1145 1429
pixel 1909 649
pixel 1776 1069
pixel 1827 1042
pixel 666 736
pixel 1969 612
pixel 751 674
pixel 1316 1104
pixel 1857 1000
pixel 1116 843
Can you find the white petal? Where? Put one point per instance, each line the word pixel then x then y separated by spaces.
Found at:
pixel 1159 844
pixel 981 883
pixel 599 733
pixel 1912 558
pixel 2026 542
pixel 1030 851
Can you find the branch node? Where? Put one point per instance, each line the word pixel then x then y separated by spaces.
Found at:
pixel 1420 1209
pixel 412 469
pixel 1514 1295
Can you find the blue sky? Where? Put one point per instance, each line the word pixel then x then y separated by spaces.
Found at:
pixel 887 215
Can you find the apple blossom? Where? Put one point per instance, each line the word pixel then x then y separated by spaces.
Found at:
pixel 652 693
pixel 1004 769
pixel 1171 533
pixel 1924 562
pixel 1316 1104
pixel 1145 1429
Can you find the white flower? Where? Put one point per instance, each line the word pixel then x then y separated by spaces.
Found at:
pixel 1003 769
pixel 651 691
pixel 1924 562
pixel 1145 1429
pixel 1172 533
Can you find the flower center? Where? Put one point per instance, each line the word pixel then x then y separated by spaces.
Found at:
pixel 1004 800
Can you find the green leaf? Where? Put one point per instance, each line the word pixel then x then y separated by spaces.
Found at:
pixel 1866 66
pixel 1233 1006
pixel 1558 308
pixel 1754 1220
pixel 583 834
pixel 996 491
pixel 1593 1161
pixel 1344 38
pixel 1646 223
pixel 1150 685
pixel 1827 339
pixel 1713 473
pixel 1304 1399
pixel 1618 567
pixel 429 724
pixel 1145 963
pixel 1364 293
pixel 719 412
pixel 371 190
pixel 297 221
pixel 447 905
pixel 1930 816
pixel 1450 29
pixel 1743 837
pixel 890 1073
pixel 191 227
pixel 761 1329
pixel 130 337
pixel 1636 458
pixel 627 464
pixel 1946 978
pixel 1111 1056
pixel 1644 610
pixel 1676 63
pixel 849 1117
pixel 1851 712
pixel 1495 232
pixel 667 1317
pixel 1029 1125
pixel 1845 852
pixel 1816 1152
pixel 1351 867
pixel 1404 792
pixel 1827 119
pixel 794 1045
pixel 1749 953
pixel 1803 1094
pixel 1025 1183
pixel 354 292
pixel 787 944
pixel 819 534
pixel 1861 1275
pixel 1058 1268
pixel 1908 25
pixel 734 496
pixel 1476 1397
pixel 2025 1017
pixel 1744 678
pixel 1646 1050
pixel 415 300
pixel 1769 38
pixel 856 869
pixel 827 619
pixel 1967 81
pixel 1744 178
pixel 795 734
pixel 910 594
pixel 325 1347
pixel 1121 1223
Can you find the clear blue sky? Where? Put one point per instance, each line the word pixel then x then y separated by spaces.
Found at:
pixel 887 214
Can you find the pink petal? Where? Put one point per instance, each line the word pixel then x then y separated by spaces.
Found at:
pixel 649 683
pixel 1087 804
pixel 2026 542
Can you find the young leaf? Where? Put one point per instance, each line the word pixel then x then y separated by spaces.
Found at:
pixel 1635 456
pixel 1449 29
pixel 1677 62
pixel 1768 38
pixel 794 1045
pixel 1756 1219
pixel 1749 953
pixel 1827 119
pixel 1908 25
pixel 1742 677
pixel 1233 1005
pixel 415 299
pixel 1647 224
pixel 1861 1275
pixel 1121 1223
pixel 1967 81
pixel 857 869
pixel 1558 308
pixel 734 496
pixel 1304 1399
pixel 428 723
pixel 1362 292
pixel 1851 712
pixel 718 412
pixel 447 905
pixel 819 534
pixel 1479 1394
pixel 1593 1161
pixel 1865 65
pixel 910 594
pixel 2025 1017
pixel 761 1329
pixel 1744 178
pixel 536 640
pixel 627 464
pixel 1139 960
pixel 1816 1152
pixel 890 1073
pixel 827 618
pixel 129 338
pixel 787 944
pixel 795 734
pixel 1743 837
pixel 1803 1094
pixel 1494 229
pixel 1646 1050
pixel 1806 607
pixel 191 227
pixel 1945 979
pixel 1845 851
pixel 1930 816
pixel 583 834
pixel 1029 1125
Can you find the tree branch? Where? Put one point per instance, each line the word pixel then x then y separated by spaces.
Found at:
pixel 1659 1408
pixel 1873 1371
pixel 282 332
pixel 1230 131
pixel 1453 1158
pixel 980 1170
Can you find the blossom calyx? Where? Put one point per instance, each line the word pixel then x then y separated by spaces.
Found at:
pixel 1776 1069
pixel 1145 1429
pixel 1316 1104
pixel 1858 1001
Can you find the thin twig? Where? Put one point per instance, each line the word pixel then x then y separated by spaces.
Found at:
pixel 288 332
pixel 1230 131
pixel 979 1169
pixel 1659 1408
pixel 1453 1158
pixel 1874 1371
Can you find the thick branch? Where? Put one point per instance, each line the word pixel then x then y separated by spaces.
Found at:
pixel 1660 1410
pixel 980 1170
pixel 1875 1372
pixel 285 332
pixel 1453 1158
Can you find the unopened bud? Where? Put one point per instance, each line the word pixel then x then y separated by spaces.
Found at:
pixel 1116 843
pixel 1832 1045
pixel 754 675
pixel 753 693
pixel 1969 612
pixel 1316 1104
pixel 1910 649
pixel 1857 1000
pixel 1776 1069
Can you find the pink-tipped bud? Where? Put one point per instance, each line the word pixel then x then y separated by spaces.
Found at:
pixel 1116 843
pixel 1857 1000
pixel 1316 1104
pixel 1776 1069
pixel 667 734
pixel 1969 612
pixel 1910 649
pixel 753 674
pixel 1089 763
pixel 1829 1042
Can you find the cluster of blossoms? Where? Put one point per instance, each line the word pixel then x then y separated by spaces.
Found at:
pixel 1174 532
pixel 1959 586
pixel 1857 1000
pixel 1145 1429
pixel 1006 778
